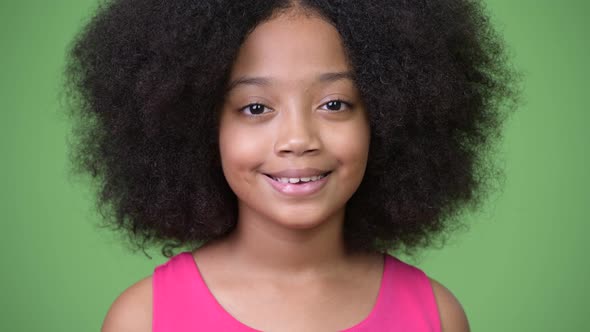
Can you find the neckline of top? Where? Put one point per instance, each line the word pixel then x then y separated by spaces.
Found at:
pixel 383 289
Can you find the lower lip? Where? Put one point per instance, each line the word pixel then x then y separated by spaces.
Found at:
pixel 299 189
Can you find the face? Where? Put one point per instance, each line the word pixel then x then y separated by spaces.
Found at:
pixel 294 135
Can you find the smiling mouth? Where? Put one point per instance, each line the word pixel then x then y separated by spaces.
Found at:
pixel 300 180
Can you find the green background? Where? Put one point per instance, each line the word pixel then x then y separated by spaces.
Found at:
pixel 522 265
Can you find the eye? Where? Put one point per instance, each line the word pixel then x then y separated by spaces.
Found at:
pixel 255 109
pixel 336 105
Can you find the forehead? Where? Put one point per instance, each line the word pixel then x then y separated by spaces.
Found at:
pixel 291 47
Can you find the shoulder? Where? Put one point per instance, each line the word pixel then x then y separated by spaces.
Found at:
pixel 132 310
pixel 452 315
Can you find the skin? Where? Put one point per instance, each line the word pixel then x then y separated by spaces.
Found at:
pixel 297 131
pixel 288 251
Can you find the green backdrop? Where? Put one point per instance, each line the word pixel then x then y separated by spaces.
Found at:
pixel 522 266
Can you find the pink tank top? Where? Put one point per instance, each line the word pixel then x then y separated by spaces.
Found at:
pixel 182 302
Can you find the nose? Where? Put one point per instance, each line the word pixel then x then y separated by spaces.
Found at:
pixel 297 135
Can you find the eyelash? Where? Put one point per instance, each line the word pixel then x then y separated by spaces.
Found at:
pixel 247 108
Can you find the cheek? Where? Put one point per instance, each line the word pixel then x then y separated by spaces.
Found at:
pixel 350 145
pixel 241 149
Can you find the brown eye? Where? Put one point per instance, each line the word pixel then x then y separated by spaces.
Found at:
pixel 255 109
pixel 336 105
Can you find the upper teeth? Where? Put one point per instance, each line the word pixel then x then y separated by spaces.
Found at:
pixel 297 180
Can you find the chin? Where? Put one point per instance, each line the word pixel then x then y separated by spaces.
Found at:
pixel 299 219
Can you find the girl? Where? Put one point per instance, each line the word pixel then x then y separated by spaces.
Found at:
pixel 289 145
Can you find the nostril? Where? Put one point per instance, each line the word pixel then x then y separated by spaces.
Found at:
pixel 298 151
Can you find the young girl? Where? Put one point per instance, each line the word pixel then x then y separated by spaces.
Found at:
pixel 292 143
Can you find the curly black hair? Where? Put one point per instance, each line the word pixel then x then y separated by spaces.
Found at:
pixel 143 75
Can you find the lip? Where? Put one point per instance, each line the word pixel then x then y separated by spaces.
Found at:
pixel 298 190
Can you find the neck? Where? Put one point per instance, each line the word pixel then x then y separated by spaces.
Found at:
pixel 272 247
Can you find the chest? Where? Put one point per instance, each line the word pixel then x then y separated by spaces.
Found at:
pixel 327 305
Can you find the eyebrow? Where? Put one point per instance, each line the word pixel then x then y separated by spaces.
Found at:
pixel 266 81
pixel 333 77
